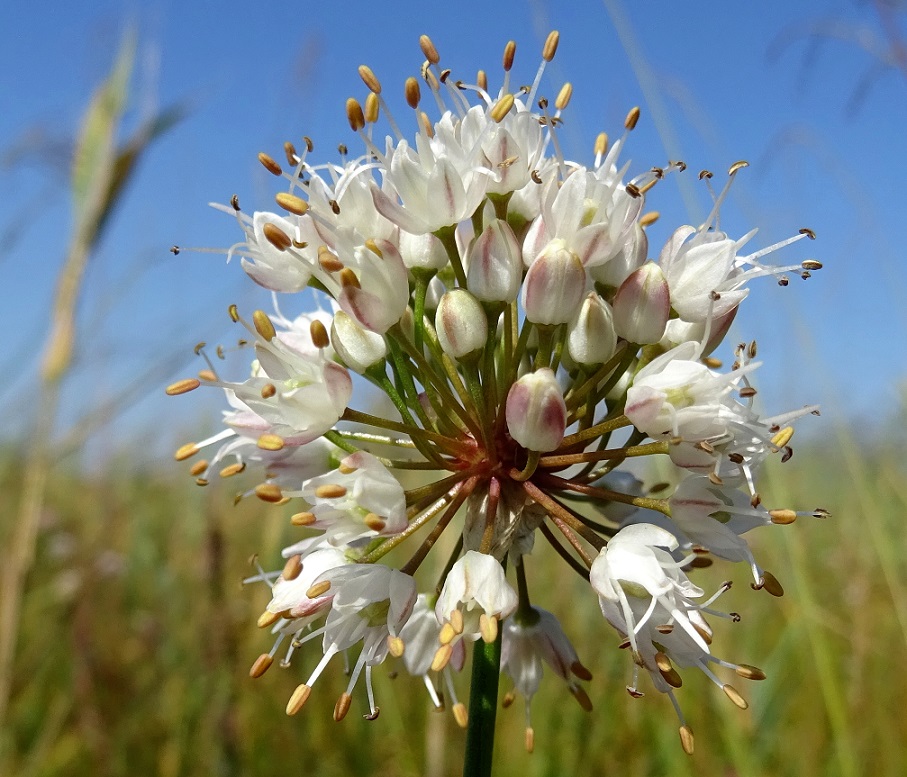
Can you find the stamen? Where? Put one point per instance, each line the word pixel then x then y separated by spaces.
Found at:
pixel 330 491
pixel 182 387
pixel 299 697
pixel 269 164
pixel 261 665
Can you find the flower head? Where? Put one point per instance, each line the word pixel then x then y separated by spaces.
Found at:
pixel 500 301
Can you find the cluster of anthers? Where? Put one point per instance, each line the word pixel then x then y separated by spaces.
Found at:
pixel 502 299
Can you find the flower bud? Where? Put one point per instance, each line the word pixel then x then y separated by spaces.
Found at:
pixel 536 412
pixel 554 285
pixel 422 251
pixel 642 305
pixel 591 338
pixel 461 324
pixel 358 348
pixel 495 267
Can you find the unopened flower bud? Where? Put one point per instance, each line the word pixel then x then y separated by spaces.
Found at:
pixel 554 285
pixel 642 305
pixel 358 348
pixel 461 324
pixel 536 412
pixel 495 266
pixel 591 338
pixel 422 251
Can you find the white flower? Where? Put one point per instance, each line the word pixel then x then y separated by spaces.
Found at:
pixel 637 567
pixel 536 638
pixel 594 217
pixel 289 597
pixel 420 637
pixel 715 516
pixel 438 182
pixel 309 393
pixel 694 268
pixel 359 499
pixel 475 596
pixel 369 604
pixel 674 394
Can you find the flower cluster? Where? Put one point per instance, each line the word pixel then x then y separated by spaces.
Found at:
pixel 502 299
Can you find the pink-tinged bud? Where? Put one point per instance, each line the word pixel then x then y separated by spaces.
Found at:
pixel 495 265
pixel 461 324
pixel 642 305
pixel 357 348
pixel 591 338
pixel 554 285
pixel 536 412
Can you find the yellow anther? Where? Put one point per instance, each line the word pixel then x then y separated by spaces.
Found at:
pixel 261 665
pixel 529 739
pixel 460 714
pixel 303 519
pixel 501 108
pixel 269 164
pixel 370 79
pixel 348 279
pixel 267 618
pixel 374 522
pixel 737 166
pixel 342 706
pixel 372 108
pixel 196 469
pixel 318 589
pixel 601 144
pixel 550 47
pixel 292 203
pixel 292 568
pixel 330 491
pixel 509 53
pixel 632 118
pixel 563 97
pixel 395 646
pixel 268 492
pixel 268 390
pixel 647 219
pixel 183 386
pixel 428 49
pixel 299 697
pixel 354 114
pixel 271 442
pixel 207 376
pixel 319 334
pixel 276 236
pixel 488 627
pixel 447 634
pixel 328 260
pixel 232 469
pixel 731 692
pixel 686 739
pixel 456 620
pixel 186 451
pixel 263 325
pixel 412 92
pixel 441 658
pixel 783 517
pixel 749 672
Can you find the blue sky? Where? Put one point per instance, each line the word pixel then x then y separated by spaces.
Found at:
pixel 717 82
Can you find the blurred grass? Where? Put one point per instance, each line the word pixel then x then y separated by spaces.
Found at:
pixel 136 641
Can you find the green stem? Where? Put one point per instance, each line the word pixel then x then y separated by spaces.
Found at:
pixel 483 696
